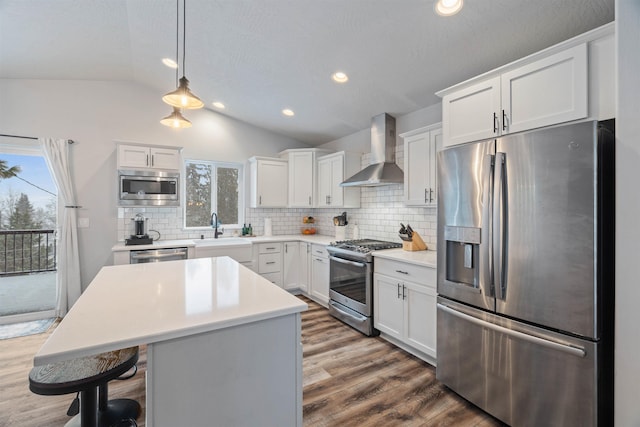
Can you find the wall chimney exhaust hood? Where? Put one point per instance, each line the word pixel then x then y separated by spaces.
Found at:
pixel 383 169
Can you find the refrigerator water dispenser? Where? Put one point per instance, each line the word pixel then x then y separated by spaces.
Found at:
pixel 462 251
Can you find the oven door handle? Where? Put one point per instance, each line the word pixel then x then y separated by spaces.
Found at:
pixel 344 261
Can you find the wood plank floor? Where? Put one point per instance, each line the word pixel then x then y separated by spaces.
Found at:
pixel 349 380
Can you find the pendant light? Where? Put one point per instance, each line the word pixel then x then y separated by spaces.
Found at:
pixel 176 120
pixel 182 97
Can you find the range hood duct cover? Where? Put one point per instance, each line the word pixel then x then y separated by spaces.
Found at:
pixel 383 169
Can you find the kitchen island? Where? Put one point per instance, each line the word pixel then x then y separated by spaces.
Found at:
pixel 223 343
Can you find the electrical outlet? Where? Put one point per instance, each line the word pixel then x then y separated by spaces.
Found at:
pixel 83 222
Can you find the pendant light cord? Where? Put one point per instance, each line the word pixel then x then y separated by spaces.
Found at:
pixel 177 38
pixel 184 34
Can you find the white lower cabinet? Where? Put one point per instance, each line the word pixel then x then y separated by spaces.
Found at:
pixel 304 266
pixel 319 274
pixel 270 262
pixel 404 305
pixel 290 265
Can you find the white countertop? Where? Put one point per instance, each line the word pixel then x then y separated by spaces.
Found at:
pixel 159 244
pixel 134 304
pixel 422 258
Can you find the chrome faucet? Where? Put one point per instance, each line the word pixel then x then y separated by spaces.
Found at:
pixel 216 233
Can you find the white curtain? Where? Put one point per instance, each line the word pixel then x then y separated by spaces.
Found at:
pixel 69 287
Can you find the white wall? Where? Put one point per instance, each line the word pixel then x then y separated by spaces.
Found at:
pixel 627 376
pixel 94 114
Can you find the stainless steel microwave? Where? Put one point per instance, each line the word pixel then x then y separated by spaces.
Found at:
pixel 148 188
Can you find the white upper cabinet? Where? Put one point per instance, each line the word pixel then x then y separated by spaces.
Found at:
pixel 420 174
pixel 269 181
pixel 548 91
pixel 544 92
pixel 569 81
pixel 471 114
pixel 303 176
pixel 332 170
pixel 147 157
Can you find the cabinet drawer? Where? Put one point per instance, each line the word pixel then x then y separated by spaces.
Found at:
pixel 319 250
pixel 269 248
pixel 275 278
pixel 269 263
pixel 404 271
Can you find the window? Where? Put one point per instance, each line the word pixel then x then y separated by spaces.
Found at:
pixel 213 187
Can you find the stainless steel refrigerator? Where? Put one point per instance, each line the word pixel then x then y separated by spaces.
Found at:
pixel 526 274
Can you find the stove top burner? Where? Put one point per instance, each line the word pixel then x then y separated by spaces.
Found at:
pixel 364 245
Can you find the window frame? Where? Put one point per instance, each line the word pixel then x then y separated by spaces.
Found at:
pixel 214 191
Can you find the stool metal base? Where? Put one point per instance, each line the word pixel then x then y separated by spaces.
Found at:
pixel 117 410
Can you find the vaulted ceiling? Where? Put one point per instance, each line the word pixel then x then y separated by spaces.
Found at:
pixel 260 56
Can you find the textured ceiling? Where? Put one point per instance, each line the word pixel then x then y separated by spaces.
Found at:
pixel 260 56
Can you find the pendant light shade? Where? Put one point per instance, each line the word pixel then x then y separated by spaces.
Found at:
pixel 182 96
pixel 176 120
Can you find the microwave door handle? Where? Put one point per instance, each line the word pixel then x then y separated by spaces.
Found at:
pixel 344 261
pixel 498 235
pixel 486 240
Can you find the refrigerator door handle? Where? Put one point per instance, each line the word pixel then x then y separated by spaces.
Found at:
pixel 574 351
pixel 498 232
pixel 487 252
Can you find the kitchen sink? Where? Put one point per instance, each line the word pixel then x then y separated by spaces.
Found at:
pixel 222 242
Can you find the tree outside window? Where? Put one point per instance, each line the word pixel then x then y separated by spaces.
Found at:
pixel 212 187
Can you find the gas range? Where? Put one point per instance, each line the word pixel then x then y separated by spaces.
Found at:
pixel 359 249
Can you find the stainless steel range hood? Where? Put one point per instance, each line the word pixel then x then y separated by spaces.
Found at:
pixel 383 169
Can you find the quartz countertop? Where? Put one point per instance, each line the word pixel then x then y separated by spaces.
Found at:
pixel 422 258
pixel 159 244
pixel 134 304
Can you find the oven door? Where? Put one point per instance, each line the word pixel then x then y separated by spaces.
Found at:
pixel 350 284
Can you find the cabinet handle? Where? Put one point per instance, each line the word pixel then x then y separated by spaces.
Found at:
pixel 271 262
pixel 425 195
pixel 402 272
pixel 152 160
pixel 259 200
pixel 398 290
pixel 309 200
pixel 495 123
pixel 147 160
pixel 270 249
pixel 404 296
pixel 286 248
pixel 431 195
pixel 504 121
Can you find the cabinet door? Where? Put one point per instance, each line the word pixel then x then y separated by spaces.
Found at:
pixel 420 317
pixel 416 175
pixel 435 145
pixel 388 306
pixel 290 270
pixel 301 180
pixel 552 90
pixel 324 182
pixel 272 184
pixel 304 261
pixel 320 279
pixel 164 158
pixel 471 113
pixel 337 176
pixel 133 156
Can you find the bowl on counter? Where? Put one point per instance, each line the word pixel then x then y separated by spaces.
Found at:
pixel 308 230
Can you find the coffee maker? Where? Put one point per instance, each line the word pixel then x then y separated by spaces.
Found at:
pixel 139 236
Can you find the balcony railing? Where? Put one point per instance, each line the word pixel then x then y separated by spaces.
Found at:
pixel 27 251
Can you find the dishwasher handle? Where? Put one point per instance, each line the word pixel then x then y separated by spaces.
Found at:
pixel 158 254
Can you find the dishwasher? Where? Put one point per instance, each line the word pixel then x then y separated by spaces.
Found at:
pixel 157 255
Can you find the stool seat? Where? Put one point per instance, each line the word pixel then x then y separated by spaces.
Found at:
pixel 87 375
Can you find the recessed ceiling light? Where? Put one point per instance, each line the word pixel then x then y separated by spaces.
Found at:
pixel 339 77
pixel 169 63
pixel 448 7
pixel 288 112
pixel 219 105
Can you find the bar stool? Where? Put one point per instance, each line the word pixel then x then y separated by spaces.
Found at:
pixel 89 376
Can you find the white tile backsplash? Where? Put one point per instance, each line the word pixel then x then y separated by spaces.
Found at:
pixel 379 216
